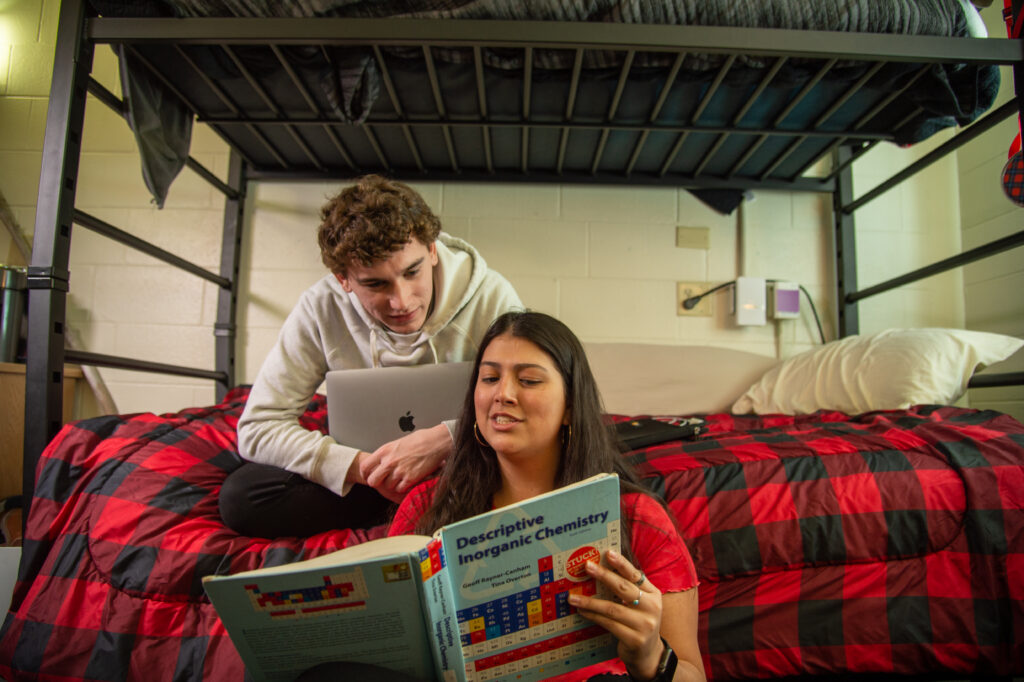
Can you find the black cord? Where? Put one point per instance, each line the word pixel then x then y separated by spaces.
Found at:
pixel 691 303
pixel 814 310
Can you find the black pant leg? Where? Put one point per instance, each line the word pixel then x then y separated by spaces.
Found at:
pixel 259 500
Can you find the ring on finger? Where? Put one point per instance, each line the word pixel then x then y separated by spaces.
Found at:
pixel 640 581
pixel 639 594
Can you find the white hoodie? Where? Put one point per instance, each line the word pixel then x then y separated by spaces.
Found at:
pixel 328 329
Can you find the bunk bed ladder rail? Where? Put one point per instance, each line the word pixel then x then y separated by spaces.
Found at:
pixel 48 270
pixel 48 274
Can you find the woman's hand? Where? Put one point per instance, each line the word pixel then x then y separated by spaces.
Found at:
pixel 635 620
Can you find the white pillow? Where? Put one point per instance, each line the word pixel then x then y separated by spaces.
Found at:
pixel 636 378
pixel 891 370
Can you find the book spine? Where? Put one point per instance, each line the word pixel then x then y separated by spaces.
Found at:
pixel 439 613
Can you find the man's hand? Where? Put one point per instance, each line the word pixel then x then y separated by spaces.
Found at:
pixel 399 465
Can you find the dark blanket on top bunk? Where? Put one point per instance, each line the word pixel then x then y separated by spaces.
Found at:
pixel 351 82
pixel 885 542
pixel 912 17
pixel 357 85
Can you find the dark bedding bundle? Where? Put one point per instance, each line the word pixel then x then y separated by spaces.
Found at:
pixel 359 73
pixel 909 17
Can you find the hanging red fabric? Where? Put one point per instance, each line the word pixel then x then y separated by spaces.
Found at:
pixel 1012 27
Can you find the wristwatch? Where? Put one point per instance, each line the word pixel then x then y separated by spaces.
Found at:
pixel 666 666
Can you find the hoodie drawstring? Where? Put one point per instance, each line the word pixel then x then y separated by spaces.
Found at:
pixel 374 352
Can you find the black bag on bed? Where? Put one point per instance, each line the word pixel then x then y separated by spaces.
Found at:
pixel 634 434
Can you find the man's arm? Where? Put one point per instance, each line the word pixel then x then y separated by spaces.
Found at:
pixel 269 431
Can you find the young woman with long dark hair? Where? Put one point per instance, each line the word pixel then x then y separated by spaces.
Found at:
pixel 532 422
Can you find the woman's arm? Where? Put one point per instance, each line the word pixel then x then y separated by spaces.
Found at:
pixel 412 508
pixel 641 617
pixel 679 628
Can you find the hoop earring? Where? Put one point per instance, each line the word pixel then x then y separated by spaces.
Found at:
pixel 479 439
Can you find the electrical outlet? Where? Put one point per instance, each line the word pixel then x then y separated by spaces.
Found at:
pixel 684 290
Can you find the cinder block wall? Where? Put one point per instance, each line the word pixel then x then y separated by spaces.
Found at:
pixel 602 259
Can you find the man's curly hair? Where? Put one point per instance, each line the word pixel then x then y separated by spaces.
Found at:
pixel 370 220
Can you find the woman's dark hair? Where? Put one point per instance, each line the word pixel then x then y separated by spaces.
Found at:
pixel 471 477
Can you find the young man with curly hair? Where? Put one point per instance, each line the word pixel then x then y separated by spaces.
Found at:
pixel 399 292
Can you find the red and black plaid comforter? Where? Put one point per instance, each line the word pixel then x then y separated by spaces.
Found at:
pixel 891 541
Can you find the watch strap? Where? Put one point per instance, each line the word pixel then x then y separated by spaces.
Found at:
pixel 666 665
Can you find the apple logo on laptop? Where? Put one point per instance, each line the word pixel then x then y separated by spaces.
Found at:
pixel 405 422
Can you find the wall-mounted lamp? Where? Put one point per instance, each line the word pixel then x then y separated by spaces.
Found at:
pixel 750 301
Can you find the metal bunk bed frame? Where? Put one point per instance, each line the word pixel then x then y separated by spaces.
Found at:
pixel 48 273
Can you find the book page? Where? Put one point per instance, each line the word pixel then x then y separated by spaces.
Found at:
pixel 286 621
pixel 399 544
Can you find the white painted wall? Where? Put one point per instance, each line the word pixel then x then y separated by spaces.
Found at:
pixel 602 259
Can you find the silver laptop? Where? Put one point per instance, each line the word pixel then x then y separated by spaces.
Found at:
pixel 369 407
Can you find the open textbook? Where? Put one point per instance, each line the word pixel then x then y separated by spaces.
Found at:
pixel 484 599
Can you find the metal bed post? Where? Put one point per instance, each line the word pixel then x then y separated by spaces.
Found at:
pixel 845 243
pixel 227 298
pixel 48 272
